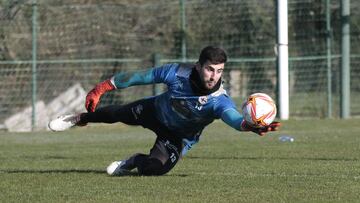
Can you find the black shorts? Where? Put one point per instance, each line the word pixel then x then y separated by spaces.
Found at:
pixel 167 147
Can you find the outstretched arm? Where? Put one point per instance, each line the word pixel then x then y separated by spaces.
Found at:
pixel 127 79
pixel 118 81
pixel 234 119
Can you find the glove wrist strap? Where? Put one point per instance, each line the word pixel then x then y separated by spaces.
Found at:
pixel 104 86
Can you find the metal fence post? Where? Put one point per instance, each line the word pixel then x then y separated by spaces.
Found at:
pixel 345 59
pixel 328 51
pixel 156 63
pixel 34 65
pixel 283 59
pixel 183 30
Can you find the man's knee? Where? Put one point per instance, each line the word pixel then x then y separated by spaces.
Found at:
pixel 152 167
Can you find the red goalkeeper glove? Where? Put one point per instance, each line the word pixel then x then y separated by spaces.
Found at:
pixel 260 131
pixel 93 97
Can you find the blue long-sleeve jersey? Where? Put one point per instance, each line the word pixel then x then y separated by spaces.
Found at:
pixel 180 108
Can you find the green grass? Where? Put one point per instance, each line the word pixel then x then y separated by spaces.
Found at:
pixel 322 165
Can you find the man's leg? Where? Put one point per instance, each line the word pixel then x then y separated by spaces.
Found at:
pixel 165 152
pixel 134 113
pixel 162 158
pixel 131 114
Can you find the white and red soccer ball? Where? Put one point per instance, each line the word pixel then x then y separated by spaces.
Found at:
pixel 259 110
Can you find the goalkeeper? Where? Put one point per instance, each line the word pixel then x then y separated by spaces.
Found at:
pixel 194 98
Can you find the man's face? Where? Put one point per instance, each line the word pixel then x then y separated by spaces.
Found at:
pixel 210 73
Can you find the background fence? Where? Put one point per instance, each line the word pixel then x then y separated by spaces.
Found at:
pixel 48 47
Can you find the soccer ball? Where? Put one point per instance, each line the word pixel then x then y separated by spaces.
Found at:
pixel 259 110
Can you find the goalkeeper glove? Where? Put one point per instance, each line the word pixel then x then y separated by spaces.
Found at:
pixel 260 131
pixel 93 97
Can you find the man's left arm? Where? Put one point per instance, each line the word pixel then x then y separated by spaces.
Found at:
pixel 234 119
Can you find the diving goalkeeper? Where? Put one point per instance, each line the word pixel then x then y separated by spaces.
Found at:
pixel 195 97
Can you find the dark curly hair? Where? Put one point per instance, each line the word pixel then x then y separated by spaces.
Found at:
pixel 214 55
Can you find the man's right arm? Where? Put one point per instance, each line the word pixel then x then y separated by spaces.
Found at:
pixel 118 81
pixel 126 79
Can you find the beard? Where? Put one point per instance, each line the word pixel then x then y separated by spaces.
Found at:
pixel 209 84
pixel 203 87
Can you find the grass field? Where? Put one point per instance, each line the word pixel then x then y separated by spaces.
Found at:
pixel 322 165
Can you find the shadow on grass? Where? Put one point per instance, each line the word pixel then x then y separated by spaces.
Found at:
pixel 274 158
pixel 52 171
pixel 63 171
